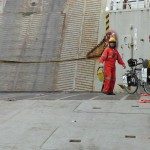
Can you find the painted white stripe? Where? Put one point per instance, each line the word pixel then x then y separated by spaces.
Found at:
pixel 123 98
pixel 94 98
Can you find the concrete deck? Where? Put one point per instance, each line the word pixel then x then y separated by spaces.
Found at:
pixel 73 121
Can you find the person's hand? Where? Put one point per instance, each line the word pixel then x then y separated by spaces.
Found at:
pixel 124 66
pixel 101 65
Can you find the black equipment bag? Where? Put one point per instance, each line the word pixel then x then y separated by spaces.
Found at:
pixel 132 62
pixel 148 75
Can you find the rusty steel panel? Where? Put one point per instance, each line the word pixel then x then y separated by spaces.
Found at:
pixel 80 34
pixel 43 34
pixel 89 38
pixel 30 34
pixel 71 43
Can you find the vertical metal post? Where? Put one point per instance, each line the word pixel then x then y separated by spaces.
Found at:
pixel 131 44
pixel 2 6
pixel 137 3
pixel 107 22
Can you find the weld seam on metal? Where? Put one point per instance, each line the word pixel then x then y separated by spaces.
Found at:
pixel 47 61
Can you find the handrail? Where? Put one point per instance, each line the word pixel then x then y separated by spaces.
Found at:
pixel 128 4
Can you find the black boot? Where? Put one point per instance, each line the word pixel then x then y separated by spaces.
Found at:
pixel 111 93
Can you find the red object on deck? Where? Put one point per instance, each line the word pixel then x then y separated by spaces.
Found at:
pixel 143 101
pixel 145 94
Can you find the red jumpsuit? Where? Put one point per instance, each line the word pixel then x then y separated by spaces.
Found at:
pixel 110 56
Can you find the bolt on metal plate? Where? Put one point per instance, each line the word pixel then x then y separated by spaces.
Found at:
pixel 96 107
pixel 130 136
pixel 75 140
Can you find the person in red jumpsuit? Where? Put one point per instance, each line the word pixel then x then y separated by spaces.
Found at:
pixel 109 56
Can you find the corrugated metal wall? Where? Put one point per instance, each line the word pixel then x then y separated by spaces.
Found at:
pixel 50 30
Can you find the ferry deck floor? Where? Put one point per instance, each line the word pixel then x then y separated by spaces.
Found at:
pixel 73 121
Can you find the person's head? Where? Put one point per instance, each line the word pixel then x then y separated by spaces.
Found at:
pixel 112 42
pixel 108 34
